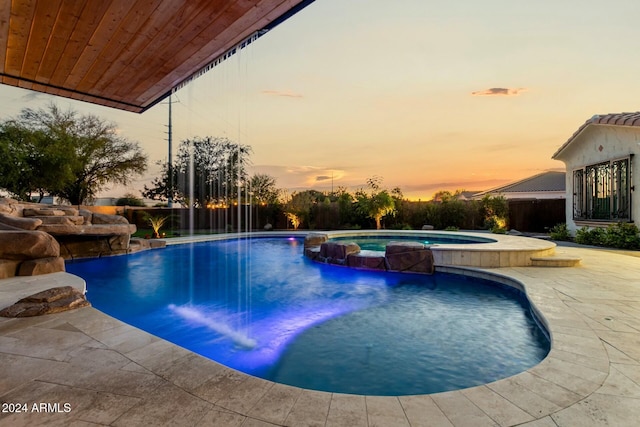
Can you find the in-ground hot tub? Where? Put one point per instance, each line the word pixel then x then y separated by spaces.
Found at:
pixel 450 248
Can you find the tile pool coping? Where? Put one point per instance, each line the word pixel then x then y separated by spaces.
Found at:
pixel 115 374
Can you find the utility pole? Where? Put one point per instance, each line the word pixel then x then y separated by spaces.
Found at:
pixel 170 161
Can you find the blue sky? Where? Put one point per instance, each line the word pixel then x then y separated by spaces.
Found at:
pixel 429 95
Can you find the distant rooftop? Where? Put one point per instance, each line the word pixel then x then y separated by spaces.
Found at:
pixel 549 181
pixel 612 119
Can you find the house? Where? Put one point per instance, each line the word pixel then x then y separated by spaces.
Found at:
pixel 536 203
pixel 599 159
pixel 545 185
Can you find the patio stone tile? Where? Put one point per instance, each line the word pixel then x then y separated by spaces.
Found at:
pixel 85 405
pixel 125 339
pixel 546 389
pixel 245 395
pixel 157 355
pixel 91 357
pixel 276 403
pixel 618 384
pixel 347 410
pixel 220 385
pixel 134 367
pixel 461 411
pixel 630 371
pixel 595 325
pixel 166 405
pixel 598 410
pixel 221 418
pixel 628 343
pixel 104 379
pixel 189 372
pixel 612 324
pixel 616 356
pixel 568 381
pixel 310 410
pixel 422 411
pixel 495 406
pixel 598 363
pixel 18 370
pixel 252 422
pixel 42 343
pixel 92 321
pixel 385 411
pixel 589 349
pixel 570 368
pixel 542 422
pixel 7 325
pixel 630 310
pixel 565 319
pixel 524 398
pixel 591 345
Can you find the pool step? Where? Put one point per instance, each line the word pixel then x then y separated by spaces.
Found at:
pixel 555 261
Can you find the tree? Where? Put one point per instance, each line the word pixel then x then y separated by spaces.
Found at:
pixel 31 161
pixel 346 212
pixel 298 208
pixel 452 210
pixel 219 169
pixel 164 186
pixel 65 154
pixel 376 204
pixel 263 189
pixel 495 210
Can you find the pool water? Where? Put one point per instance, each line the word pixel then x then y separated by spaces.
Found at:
pixel 379 243
pixel 259 306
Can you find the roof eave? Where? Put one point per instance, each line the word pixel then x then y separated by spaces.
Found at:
pixel 558 154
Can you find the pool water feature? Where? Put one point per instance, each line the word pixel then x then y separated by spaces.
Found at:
pixel 259 306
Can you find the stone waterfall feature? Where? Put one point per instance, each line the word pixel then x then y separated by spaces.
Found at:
pixel 36 238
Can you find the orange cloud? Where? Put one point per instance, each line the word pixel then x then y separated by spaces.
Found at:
pixel 286 93
pixel 499 91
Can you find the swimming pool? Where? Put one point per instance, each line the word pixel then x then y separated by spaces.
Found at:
pixel 259 306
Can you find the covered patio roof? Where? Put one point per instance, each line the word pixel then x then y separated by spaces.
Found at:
pixel 122 53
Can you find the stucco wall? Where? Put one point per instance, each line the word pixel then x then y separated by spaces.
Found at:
pixel 596 144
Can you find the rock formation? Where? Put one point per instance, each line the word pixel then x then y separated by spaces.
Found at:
pixel 36 238
pixel 54 300
pixel 404 256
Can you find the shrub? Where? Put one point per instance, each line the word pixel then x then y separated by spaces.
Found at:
pixel 496 224
pixel 130 200
pixel 588 236
pixel 451 228
pixel 560 232
pixel 622 235
pixel 156 222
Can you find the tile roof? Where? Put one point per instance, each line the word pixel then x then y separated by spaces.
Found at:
pixel 542 182
pixel 612 119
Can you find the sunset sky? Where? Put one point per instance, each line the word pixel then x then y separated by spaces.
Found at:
pixel 429 95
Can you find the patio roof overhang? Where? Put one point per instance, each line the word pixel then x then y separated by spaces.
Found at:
pixel 125 54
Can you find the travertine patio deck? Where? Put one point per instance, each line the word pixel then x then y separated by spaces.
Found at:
pixel 113 374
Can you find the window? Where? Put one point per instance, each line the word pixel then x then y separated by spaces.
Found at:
pixel 603 191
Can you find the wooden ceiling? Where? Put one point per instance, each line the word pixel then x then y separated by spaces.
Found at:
pixel 124 54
